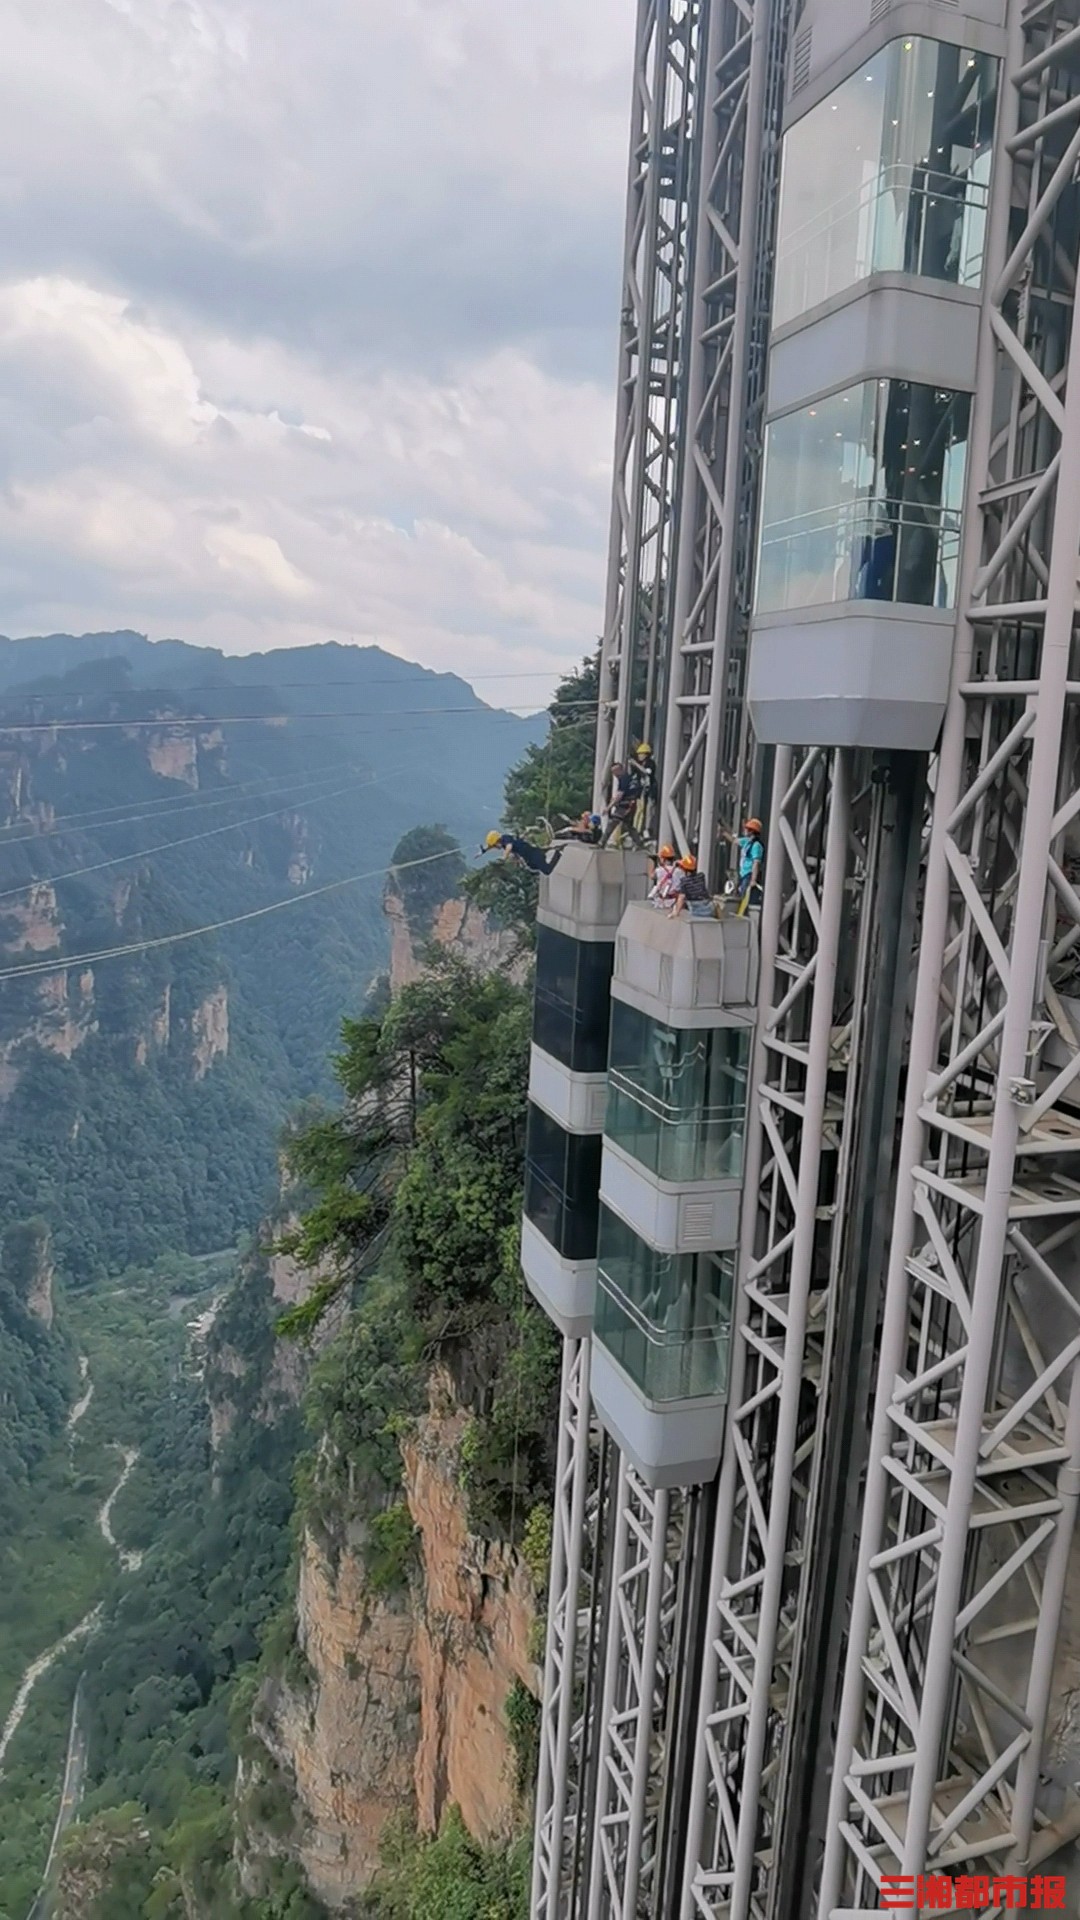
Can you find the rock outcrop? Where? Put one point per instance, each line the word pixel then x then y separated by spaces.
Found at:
pixel 394 1704
pixel 210 1031
pixel 457 926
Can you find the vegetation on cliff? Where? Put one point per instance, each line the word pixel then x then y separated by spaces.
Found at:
pixel 410 1193
pixel 238 784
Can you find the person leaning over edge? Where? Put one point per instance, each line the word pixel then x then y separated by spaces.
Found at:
pixel 523 851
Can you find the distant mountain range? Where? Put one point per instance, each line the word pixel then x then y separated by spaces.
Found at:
pixel 149 790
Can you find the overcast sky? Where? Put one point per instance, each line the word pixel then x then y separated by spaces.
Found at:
pixel 307 322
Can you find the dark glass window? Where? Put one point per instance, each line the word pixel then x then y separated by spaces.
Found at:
pixel 562 1185
pixel 572 1006
pixel 665 1317
pixel 862 498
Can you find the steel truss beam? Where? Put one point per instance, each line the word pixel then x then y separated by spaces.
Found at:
pixel 565 1711
pixel 642 1619
pixel 656 266
pixel 705 734
pixel 792 1231
pixel 945 1741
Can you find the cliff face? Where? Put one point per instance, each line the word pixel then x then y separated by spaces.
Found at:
pixel 258 1378
pixel 399 1704
pixel 456 925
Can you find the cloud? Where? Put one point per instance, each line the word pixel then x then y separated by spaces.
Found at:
pixel 309 320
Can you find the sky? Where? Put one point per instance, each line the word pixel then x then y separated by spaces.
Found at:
pixel 308 323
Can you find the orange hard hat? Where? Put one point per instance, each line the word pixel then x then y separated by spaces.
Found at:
pixel 753 826
pixel 688 862
pixel 666 853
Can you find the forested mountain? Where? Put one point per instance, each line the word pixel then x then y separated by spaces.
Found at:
pixel 303 1659
pixel 149 791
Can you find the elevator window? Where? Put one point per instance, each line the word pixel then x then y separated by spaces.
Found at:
pixel 572 1005
pixel 890 173
pixel 666 1318
pixel 676 1098
pixel 562 1185
pixel 862 498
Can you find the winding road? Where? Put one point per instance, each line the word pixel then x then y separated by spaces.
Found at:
pixel 75 1763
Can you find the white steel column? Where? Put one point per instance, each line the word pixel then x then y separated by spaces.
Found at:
pixel 774 1427
pixel 700 749
pixel 562 1730
pixel 944 1757
pixel 640 1634
pixel 654 295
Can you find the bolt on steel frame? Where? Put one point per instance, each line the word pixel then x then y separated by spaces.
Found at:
pixel 943 1754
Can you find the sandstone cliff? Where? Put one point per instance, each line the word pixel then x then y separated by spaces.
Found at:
pixel 395 1701
pixel 456 925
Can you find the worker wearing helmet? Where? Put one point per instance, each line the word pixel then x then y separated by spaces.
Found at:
pixel 622 805
pixel 646 768
pixel 585 830
pixel 523 851
pixel 661 893
pixel 691 890
pixel 751 859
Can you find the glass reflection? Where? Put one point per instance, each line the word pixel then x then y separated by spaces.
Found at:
pixel 571 1003
pixel 666 1318
pixel 562 1183
pixel 862 498
pixel 889 174
pixel 677 1100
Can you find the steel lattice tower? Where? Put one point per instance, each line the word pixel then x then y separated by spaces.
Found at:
pixel 815 1590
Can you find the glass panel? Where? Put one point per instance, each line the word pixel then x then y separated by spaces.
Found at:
pixel 889 174
pixel 677 1100
pixel 562 1185
pixel 571 1005
pixel 862 498
pixel 666 1318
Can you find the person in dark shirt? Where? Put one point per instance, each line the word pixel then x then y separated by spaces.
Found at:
pixel 691 889
pixel 625 793
pixel 515 848
pixel 645 765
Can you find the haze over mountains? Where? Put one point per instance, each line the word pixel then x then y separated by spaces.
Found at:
pixel 148 790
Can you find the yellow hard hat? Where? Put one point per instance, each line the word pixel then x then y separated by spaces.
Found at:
pixel 492 840
pixel 644 748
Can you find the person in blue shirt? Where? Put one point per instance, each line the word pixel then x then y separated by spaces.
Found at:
pixel 751 859
pixel 514 848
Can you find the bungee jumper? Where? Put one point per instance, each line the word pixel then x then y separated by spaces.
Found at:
pixel 536 859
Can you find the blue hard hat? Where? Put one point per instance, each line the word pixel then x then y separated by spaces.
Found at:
pixel 594 819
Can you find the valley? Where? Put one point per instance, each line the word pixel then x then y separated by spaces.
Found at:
pixel 64 1560
pixel 277 1459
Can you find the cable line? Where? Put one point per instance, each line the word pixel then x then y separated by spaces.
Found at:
pixel 170 803
pixel 189 839
pixel 193 720
pixel 215 926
